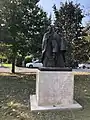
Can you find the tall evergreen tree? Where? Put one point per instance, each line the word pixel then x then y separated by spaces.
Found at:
pixel 69 22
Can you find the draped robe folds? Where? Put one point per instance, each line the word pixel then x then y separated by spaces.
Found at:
pixel 51 53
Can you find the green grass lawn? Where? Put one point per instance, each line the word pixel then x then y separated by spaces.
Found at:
pixel 14 99
pixel 7 65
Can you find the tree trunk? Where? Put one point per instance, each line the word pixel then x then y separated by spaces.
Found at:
pixel 23 63
pixel 2 61
pixel 13 64
pixel 14 51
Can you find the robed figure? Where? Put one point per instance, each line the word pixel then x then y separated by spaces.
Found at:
pixel 52 55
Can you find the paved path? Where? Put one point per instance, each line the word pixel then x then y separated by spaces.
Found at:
pixel 33 70
pixel 18 69
pixel 2 69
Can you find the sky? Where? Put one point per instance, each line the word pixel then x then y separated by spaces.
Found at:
pixel 47 6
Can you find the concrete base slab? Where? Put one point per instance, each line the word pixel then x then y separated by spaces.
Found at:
pixel 35 107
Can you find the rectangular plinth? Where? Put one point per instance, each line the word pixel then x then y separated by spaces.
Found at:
pixel 36 107
pixel 54 87
pixel 55 69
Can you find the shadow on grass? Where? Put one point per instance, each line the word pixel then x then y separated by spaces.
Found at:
pixel 82 89
pixel 15 90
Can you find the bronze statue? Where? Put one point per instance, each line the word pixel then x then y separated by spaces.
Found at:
pixel 52 49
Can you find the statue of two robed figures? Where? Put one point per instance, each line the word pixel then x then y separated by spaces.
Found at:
pixel 53 49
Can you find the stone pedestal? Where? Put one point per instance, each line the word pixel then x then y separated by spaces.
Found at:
pixel 54 90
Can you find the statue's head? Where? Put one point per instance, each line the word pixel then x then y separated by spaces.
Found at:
pixel 56 28
pixel 50 28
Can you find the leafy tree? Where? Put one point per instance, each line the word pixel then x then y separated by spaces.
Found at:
pixel 35 22
pixel 25 24
pixel 11 12
pixel 5 52
pixel 87 37
pixel 69 22
pixel 2 52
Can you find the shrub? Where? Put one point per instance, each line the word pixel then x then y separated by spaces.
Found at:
pixel 28 59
